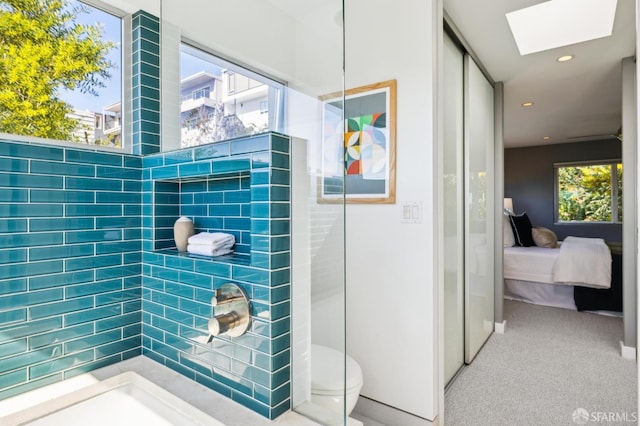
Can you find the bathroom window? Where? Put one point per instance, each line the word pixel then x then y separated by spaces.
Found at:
pixel 66 85
pixel 238 102
pixel 590 192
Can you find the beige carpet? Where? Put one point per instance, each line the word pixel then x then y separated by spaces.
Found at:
pixel 548 365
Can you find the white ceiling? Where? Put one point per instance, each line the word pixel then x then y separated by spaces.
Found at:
pixel 573 101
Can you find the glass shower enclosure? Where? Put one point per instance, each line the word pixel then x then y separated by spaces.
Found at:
pixel 299 44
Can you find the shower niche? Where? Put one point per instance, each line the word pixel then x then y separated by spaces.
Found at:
pixel 218 202
pixel 241 187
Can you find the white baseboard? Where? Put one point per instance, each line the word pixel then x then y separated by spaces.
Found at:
pixel 627 352
pixel 501 327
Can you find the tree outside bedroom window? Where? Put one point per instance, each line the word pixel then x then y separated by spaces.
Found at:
pixel 589 192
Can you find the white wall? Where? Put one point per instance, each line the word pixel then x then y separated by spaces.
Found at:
pixel 296 41
pixel 170 136
pixel 300 46
pixel 629 206
pixel 300 275
pixel 390 266
pixel 127 6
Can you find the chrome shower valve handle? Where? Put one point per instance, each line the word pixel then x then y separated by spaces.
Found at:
pixel 232 310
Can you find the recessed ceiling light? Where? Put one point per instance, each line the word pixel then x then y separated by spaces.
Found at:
pixel 527 104
pixel 565 58
pixel 559 23
pixel 546 138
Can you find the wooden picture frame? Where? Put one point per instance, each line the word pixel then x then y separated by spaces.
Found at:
pixel 359 145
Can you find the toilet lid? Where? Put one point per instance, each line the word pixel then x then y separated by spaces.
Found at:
pixel 327 370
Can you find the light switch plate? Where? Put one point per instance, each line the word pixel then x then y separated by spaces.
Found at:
pixel 411 212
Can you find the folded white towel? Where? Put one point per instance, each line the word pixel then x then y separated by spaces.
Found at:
pixel 212 238
pixel 208 250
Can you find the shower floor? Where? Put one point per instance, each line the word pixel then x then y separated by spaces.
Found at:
pixel 219 408
pixel 126 399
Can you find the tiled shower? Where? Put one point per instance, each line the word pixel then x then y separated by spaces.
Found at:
pixel 89 275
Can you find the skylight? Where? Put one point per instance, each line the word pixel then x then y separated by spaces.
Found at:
pixel 558 23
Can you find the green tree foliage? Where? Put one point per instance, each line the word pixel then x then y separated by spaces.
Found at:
pixel 619 168
pixel 42 52
pixel 584 193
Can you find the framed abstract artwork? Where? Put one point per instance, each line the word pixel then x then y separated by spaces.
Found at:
pixel 358 145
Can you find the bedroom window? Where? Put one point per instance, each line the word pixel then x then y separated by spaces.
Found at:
pixel 589 192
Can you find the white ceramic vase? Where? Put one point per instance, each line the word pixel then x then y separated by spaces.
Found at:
pixel 182 230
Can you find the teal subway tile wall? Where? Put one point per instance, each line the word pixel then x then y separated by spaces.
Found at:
pixel 70 262
pixel 225 187
pixel 89 274
pixel 145 108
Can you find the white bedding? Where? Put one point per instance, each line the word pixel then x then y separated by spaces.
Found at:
pixel 530 263
pixel 558 296
pixel 585 262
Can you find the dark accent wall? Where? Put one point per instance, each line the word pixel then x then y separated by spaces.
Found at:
pixel 529 180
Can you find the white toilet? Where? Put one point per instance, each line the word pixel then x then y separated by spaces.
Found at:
pixel 327 379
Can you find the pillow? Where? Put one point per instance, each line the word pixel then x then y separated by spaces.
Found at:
pixel 521 226
pixel 507 232
pixel 544 237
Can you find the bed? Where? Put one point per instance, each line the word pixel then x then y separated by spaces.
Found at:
pixel 528 277
pixel 578 274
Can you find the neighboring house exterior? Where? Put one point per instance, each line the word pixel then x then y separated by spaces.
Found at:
pixel 212 108
pixel 112 122
pixel 198 92
pixel 246 98
pixel 89 128
pixel 215 107
pixel 95 128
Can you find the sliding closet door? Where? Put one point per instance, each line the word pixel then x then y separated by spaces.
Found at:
pixel 479 211
pixel 453 217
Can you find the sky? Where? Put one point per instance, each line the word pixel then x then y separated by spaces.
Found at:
pixel 112 31
pixel 193 61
